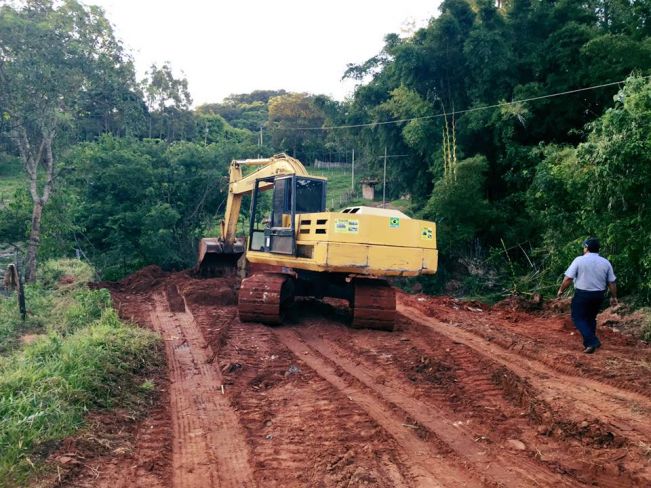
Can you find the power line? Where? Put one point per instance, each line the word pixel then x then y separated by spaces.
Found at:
pixel 468 110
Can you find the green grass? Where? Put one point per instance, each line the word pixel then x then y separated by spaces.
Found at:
pixel 11 179
pixel 59 302
pixel 85 359
pixel 402 205
pixel 339 186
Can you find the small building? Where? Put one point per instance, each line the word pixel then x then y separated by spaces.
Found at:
pixel 368 188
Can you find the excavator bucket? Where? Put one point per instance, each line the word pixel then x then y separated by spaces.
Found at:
pixel 218 257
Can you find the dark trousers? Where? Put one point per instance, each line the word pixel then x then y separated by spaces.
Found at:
pixel 585 307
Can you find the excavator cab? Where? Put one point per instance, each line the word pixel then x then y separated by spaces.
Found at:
pixel 292 195
pixel 293 192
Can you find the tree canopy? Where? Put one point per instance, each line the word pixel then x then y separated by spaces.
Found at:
pixel 59 64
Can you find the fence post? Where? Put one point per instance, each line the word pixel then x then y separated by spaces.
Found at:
pixel 21 289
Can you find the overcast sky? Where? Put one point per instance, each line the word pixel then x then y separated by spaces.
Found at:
pixel 231 46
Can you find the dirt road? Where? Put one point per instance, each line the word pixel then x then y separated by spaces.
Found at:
pixel 459 395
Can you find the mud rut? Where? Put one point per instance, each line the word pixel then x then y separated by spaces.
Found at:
pixel 438 403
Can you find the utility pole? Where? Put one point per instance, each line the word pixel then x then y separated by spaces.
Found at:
pixel 384 183
pixel 352 178
pixel 384 178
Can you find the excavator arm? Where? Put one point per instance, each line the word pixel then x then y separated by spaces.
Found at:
pixel 239 185
pixel 218 252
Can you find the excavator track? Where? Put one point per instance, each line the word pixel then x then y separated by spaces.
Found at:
pixel 374 305
pixel 263 297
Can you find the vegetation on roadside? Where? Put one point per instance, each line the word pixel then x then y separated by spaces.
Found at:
pixel 78 356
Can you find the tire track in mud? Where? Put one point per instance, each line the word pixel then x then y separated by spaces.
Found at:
pixel 431 465
pixel 302 431
pixel 627 412
pixel 209 449
pixel 501 467
pixel 501 406
pixel 520 333
pixel 316 404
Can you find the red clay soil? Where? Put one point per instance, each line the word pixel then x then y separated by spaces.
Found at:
pixel 459 395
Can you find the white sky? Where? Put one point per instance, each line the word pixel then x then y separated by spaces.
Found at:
pixel 231 46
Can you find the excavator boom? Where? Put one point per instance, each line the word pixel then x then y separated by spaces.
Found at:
pixel 217 254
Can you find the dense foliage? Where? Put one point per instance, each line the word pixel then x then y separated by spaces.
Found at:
pixel 510 157
pixel 603 187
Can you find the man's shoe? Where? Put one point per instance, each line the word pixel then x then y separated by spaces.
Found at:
pixel 589 349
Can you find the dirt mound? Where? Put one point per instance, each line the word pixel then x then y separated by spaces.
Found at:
pixel 66 279
pixel 444 308
pixel 211 292
pixel 144 280
pixel 520 303
pixel 558 306
pixel 622 319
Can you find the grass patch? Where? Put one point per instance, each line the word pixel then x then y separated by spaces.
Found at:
pixel 11 178
pixel 59 302
pixel 12 327
pixel 339 186
pixel 88 359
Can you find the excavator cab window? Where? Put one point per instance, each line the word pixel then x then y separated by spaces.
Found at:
pixel 292 195
pixel 310 195
pixel 281 207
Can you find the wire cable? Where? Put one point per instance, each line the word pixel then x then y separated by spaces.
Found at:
pixel 465 111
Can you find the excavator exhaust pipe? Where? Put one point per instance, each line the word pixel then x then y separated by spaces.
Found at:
pixel 218 257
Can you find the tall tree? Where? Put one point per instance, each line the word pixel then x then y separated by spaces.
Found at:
pixel 53 56
pixel 168 99
pixel 288 114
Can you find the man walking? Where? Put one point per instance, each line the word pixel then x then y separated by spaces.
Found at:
pixel 591 275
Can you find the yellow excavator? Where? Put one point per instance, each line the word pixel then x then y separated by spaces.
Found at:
pixel 304 250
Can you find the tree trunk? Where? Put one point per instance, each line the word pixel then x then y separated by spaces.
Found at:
pixel 34 240
pixel 32 161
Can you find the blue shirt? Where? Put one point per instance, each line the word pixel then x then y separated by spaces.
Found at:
pixel 591 272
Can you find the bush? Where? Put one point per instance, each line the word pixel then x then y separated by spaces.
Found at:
pixel 602 187
pixel 146 202
pixel 459 206
pixel 646 331
pixel 60 301
pixel 50 273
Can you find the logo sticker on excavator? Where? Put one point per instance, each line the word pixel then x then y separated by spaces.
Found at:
pixel 346 226
pixel 394 222
pixel 426 233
